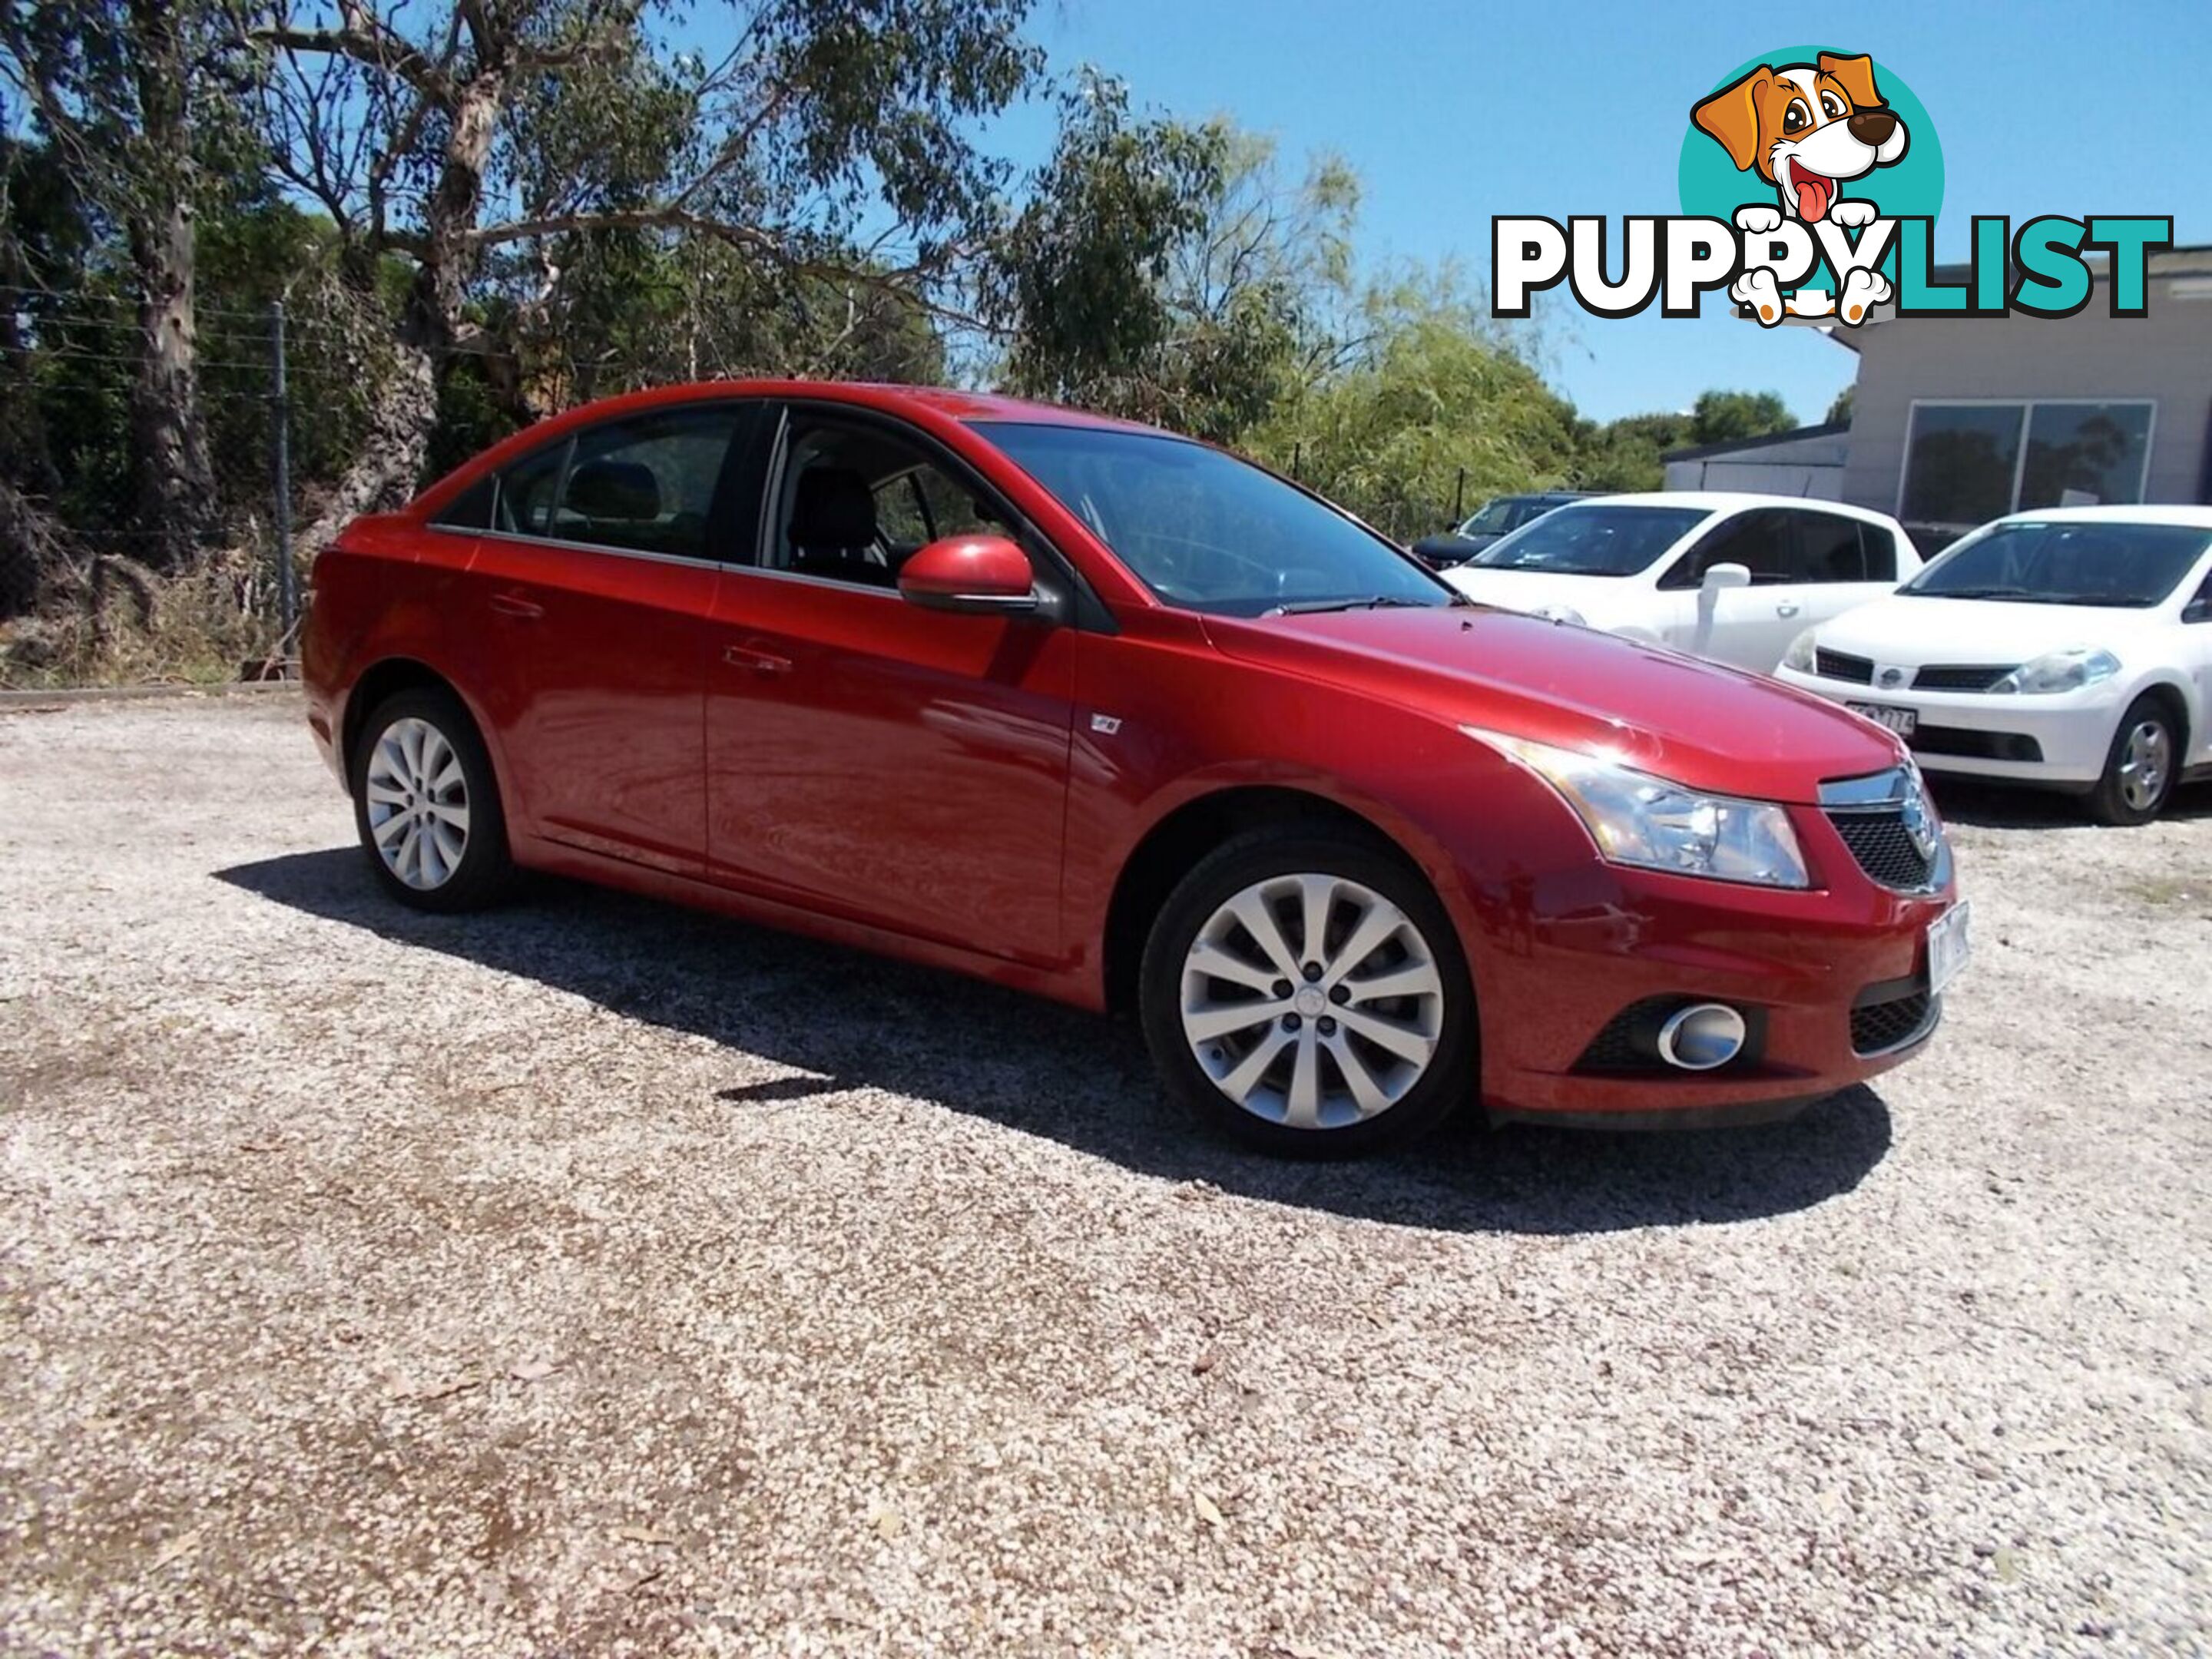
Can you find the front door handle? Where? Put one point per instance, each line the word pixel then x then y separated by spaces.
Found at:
pixel 761 662
pixel 1785 609
pixel 513 604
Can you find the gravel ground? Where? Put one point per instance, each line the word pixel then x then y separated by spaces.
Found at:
pixel 598 1278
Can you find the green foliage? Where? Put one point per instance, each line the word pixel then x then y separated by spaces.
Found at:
pixel 1720 418
pixel 1082 283
pixel 1628 454
pixel 1432 390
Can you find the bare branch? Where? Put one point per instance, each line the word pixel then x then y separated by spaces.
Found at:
pixel 366 39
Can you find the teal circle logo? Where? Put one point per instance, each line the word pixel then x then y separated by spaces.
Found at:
pixel 1714 185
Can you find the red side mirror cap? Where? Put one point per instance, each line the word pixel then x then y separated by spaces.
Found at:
pixel 970 573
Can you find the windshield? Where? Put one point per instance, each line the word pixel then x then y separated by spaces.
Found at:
pixel 1592 541
pixel 2123 565
pixel 1206 531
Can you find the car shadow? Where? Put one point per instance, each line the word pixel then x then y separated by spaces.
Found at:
pixel 2014 806
pixel 842 1019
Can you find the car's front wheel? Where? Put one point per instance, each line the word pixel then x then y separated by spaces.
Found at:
pixel 2141 767
pixel 427 804
pixel 1304 991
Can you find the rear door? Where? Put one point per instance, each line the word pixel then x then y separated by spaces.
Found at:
pixel 1746 626
pixel 591 595
pixel 866 757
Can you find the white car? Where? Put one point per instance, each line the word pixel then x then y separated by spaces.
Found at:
pixel 1731 577
pixel 2071 647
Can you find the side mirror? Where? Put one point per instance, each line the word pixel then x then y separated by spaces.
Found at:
pixel 978 574
pixel 2198 610
pixel 1718 579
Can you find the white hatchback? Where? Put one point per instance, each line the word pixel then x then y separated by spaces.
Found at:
pixel 1731 577
pixel 2071 647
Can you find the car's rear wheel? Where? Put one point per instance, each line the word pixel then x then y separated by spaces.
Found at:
pixel 427 804
pixel 2141 767
pixel 1304 990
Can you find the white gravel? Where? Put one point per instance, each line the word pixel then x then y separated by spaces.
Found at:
pixel 598 1278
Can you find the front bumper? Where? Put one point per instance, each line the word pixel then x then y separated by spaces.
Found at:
pixel 1824 977
pixel 2072 733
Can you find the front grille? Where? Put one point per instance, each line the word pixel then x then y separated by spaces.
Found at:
pixel 1975 745
pixel 1879 1025
pixel 1842 665
pixel 1884 848
pixel 1958 677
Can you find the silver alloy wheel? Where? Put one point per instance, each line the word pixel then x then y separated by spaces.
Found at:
pixel 2144 763
pixel 1312 1001
pixel 418 804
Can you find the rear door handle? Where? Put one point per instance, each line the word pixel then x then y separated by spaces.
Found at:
pixel 761 662
pixel 513 604
pixel 1785 609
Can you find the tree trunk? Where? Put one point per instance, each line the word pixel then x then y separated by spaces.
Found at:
pixel 405 412
pixel 175 484
pixel 28 537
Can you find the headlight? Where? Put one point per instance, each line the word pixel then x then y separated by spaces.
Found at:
pixel 1800 654
pixel 2060 670
pixel 1561 613
pixel 1639 819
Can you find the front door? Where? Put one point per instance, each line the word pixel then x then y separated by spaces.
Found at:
pixel 898 766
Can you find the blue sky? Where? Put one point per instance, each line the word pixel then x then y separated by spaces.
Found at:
pixel 1451 113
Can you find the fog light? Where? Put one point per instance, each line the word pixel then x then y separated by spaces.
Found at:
pixel 1702 1036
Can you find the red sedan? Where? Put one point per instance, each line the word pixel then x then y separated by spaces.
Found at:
pixel 1092 710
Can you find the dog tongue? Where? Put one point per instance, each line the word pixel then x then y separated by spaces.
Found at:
pixel 1814 192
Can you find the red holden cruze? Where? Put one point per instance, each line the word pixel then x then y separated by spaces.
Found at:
pixel 1110 715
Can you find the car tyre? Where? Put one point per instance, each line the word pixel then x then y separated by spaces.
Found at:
pixel 426 803
pixel 2141 767
pixel 1377 1046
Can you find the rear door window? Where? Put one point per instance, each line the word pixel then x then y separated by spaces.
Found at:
pixel 1880 548
pixel 1830 548
pixel 1762 541
pixel 644 485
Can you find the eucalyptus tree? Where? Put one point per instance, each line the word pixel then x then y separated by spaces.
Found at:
pixel 132 101
pixel 494 152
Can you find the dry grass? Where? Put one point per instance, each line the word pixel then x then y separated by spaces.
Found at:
pixel 108 621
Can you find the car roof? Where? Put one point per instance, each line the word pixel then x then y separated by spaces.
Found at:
pixel 2195 518
pixel 947 401
pixel 1732 500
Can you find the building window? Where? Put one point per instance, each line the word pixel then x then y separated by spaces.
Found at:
pixel 1966 463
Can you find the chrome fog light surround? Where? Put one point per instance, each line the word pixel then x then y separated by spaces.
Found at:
pixel 1703 1038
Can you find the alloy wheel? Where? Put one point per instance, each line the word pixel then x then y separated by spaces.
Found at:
pixel 1312 1001
pixel 2144 764
pixel 417 803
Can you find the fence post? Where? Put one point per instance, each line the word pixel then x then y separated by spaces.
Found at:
pixel 280 425
pixel 1459 499
pixel 1298 456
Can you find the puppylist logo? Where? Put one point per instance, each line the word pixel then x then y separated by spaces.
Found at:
pixel 1810 180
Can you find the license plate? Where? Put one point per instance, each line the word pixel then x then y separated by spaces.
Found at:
pixel 1947 947
pixel 1899 720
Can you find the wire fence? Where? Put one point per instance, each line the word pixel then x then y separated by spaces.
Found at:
pixel 146 536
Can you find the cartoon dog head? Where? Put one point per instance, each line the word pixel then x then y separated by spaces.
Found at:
pixel 1805 128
